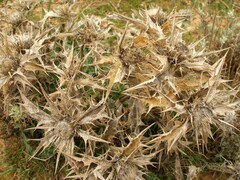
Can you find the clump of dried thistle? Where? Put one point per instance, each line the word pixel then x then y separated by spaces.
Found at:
pixel 96 104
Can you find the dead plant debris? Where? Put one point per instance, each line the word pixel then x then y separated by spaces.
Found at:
pixel 113 103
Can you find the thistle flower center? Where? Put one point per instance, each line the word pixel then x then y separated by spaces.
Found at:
pixel 64 130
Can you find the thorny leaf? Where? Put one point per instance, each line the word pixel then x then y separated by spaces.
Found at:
pixel 141 41
pixel 215 79
pixel 69 60
pixel 86 137
pixel 134 143
pixel 115 74
pixel 34 111
pixel 93 113
pixel 89 82
pixel 31 66
pixel 20 77
pixel 153 62
pixel 137 109
pixel 191 81
pixel 177 132
pixel 72 69
pixel 178 168
pixel 141 85
pixel 158 101
pixel 111 129
pixel 49 14
pixel 3 81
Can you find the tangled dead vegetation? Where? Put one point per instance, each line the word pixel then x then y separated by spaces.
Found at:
pixel 115 104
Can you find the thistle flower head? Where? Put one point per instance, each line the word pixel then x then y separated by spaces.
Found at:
pixel 21 42
pixel 16 19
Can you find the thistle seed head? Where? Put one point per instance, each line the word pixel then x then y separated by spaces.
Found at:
pixel 64 130
pixel 16 19
pixel 21 42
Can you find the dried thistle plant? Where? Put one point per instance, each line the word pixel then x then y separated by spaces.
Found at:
pixel 67 120
pixel 95 104
pixel 117 163
pixel 20 62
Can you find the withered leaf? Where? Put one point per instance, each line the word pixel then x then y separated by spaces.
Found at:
pixel 135 143
pixel 115 74
pixel 141 41
pixel 49 14
pixel 178 168
pixel 177 131
pixel 34 111
pixel 3 81
pixel 88 82
pixel 158 101
pixel 93 113
pixel 69 58
pixel 87 137
pixel 31 66
pixel 111 129
pixel 191 81
pixel 141 85
pixel 21 78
